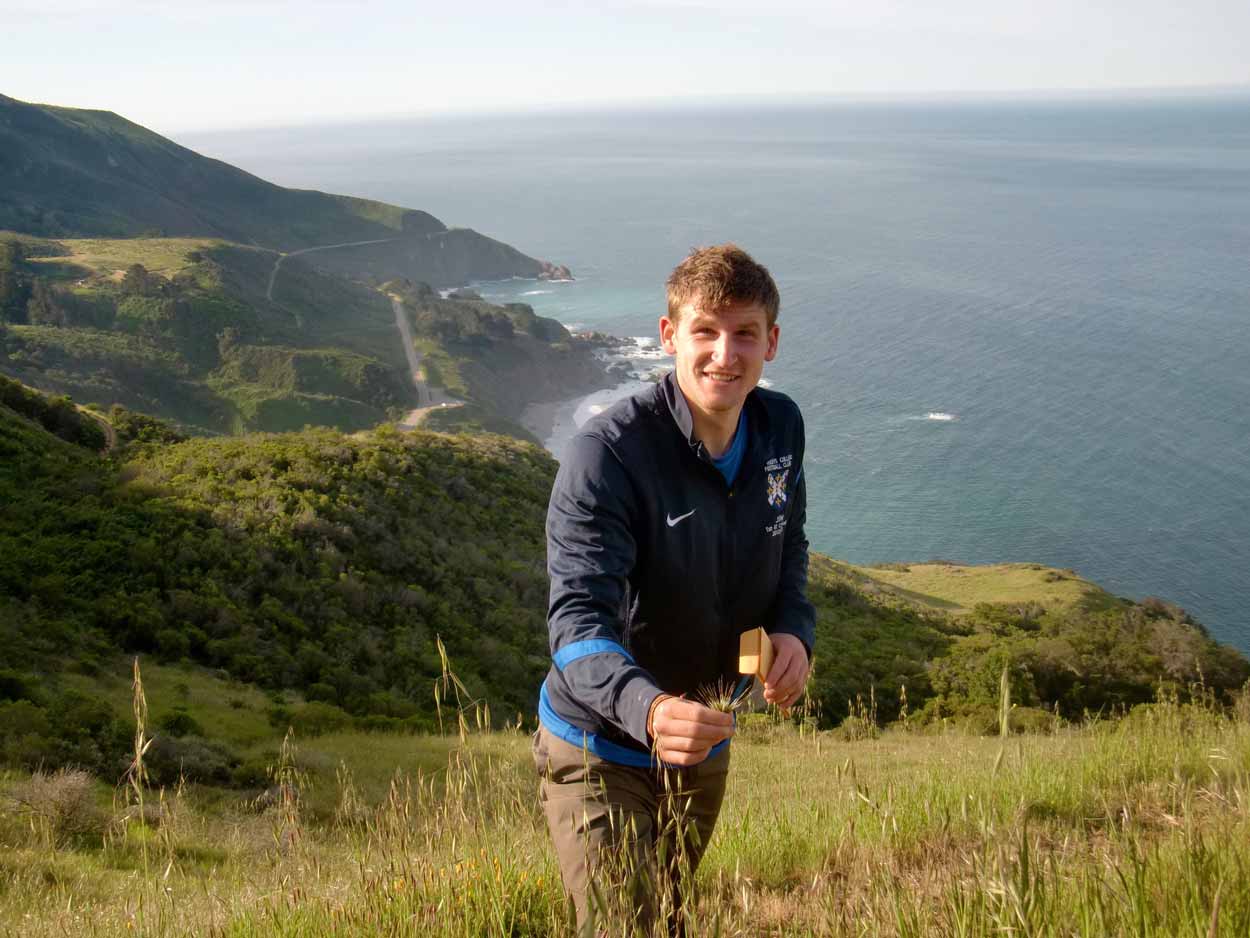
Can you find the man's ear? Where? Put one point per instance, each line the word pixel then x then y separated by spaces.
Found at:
pixel 774 336
pixel 668 329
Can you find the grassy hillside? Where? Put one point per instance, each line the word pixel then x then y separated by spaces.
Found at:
pixel 137 272
pixel 186 329
pixel 225 338
pixel 70 172
pixel 302 581
pixel 315 561
pixel 326 566
pixel 67 173
pixel 1130 828
pixel 500 358
pixel 1070 650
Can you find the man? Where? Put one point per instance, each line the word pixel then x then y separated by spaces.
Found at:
pixel 675 524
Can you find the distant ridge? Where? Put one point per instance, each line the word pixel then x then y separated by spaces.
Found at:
pixel 67 172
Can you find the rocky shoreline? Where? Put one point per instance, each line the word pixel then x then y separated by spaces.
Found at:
pixel 630 362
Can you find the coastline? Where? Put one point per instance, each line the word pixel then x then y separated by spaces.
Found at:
pixel 557 422
pixel 638 361
pixel 635 361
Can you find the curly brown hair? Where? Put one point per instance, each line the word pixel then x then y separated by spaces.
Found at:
pixel 719 276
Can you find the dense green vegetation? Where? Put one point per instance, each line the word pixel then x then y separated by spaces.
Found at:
pixel 200 343
pixel 1099 654
pixel 471 418
pixel 500 358
pixel 315 561
pixel 58 415
pixel 327 565
pixel 188 330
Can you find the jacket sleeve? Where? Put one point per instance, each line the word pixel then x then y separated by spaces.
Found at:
pixel 793 613
pixel 590 552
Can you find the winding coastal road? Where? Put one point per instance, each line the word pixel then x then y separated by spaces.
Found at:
pixel 427 397
pixel 273 274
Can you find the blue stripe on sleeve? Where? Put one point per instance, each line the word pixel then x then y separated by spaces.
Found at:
pixel 603 748
pixel 590 646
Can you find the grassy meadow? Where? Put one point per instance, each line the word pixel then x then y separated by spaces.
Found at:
pixel 1135 826
pixel 958 588
pixel 111 256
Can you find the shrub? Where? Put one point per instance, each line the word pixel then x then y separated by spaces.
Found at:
pixel 317 718
pixel 1032 720
pixel 377 723
pixel 172 644
pixel 319 690
pixel 59 804
pixel 180 723
pixel 279 716
pixel 143 428
pixel 24 734
pixel 978 721
pixel 14 685
pixel 196 760
pixel 253 772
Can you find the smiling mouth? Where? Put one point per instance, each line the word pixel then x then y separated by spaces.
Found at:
pixel 720 377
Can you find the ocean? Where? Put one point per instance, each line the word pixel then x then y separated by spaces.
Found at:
pixel 1017 331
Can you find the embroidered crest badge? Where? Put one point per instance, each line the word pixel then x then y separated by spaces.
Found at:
pixel 777 488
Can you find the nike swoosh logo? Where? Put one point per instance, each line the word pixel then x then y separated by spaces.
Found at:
pixel 673 522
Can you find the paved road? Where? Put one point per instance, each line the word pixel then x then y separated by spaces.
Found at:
pixel 427 397
pixel 414 360
pixel 273 274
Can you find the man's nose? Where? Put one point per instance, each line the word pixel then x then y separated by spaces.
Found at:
pixel 723 350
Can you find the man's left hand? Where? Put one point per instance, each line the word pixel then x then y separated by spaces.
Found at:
pixel 789 671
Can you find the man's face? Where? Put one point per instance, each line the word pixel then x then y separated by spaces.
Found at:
pixel 720 354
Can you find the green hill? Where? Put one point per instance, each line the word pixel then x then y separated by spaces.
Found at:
pixel 136 272
pixel 326 565
pixel 500 358
pixel 71 173
pixel 227 339
pixel 186 329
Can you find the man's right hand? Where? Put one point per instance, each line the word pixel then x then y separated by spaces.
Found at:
pixel 685 731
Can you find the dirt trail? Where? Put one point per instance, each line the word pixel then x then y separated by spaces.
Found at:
pixel 110 435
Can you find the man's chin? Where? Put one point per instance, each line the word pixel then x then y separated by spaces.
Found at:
pixel 723 403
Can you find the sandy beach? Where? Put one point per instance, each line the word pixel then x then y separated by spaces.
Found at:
pixel 556 422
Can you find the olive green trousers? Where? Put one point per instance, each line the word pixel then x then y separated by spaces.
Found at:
pixel 628 839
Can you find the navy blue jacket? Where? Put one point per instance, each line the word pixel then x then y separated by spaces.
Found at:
pixel 657 565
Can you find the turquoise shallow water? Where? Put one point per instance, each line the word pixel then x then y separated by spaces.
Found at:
pixel 1067 283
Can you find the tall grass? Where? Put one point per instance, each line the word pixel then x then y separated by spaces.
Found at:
pixel 1139 826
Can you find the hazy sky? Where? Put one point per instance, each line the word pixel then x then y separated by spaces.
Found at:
pixel 220 63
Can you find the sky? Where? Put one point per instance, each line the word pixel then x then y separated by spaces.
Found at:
pixel 176 66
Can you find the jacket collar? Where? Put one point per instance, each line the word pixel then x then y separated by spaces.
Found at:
pixel 756 414
pixel 678 407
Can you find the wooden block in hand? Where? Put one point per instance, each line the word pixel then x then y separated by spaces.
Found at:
pixel 755 653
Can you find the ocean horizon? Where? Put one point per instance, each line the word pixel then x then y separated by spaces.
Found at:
pixel 1018 331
